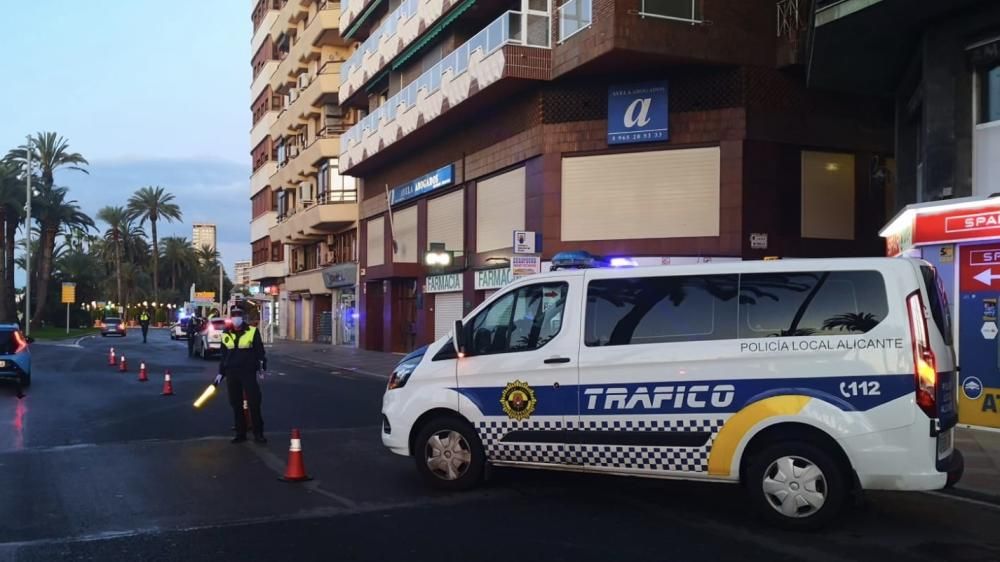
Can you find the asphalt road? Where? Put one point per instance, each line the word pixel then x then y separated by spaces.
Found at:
pixel 97 466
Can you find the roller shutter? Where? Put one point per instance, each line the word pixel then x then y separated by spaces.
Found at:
pixel 447 309
pixel 445 220
pixel 376 242
pixel 499 210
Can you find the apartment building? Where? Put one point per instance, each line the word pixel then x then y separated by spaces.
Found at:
pixel 304 212
pixel 660 131
pixel 938 66
pixel 203 235
pixel 241 273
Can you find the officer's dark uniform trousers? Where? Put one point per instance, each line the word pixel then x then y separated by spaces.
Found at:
pixel 242 352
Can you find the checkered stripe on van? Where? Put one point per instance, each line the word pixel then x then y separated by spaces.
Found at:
pixel 685 459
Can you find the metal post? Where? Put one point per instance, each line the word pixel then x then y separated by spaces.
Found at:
pixel 221 304
pixel 67 319
pixel 27 247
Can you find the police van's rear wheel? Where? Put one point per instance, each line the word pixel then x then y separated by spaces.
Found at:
pixel 797 485
pixel 449 454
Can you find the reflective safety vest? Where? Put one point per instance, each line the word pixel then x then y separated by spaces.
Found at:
pixel 144 316
pixel 245 340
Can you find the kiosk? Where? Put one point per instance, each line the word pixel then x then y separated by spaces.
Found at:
pixel 961 237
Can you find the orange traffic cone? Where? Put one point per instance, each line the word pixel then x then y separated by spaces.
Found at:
pixel 143 377
pixel 122 365
pixel 296 469
pixel 111 357
pixel 168 387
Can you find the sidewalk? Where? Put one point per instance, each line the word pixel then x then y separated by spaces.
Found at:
pixel 345 358
pixel 981 450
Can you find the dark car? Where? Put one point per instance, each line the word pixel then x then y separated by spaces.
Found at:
pixel 15 356
pixel 113 327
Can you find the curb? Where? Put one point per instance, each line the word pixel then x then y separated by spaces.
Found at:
pixel 984 497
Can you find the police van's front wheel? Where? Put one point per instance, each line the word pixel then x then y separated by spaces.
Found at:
pixel 449 454
pixel 797 485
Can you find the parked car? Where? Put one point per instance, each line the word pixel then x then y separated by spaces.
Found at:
pixel 209 339
pixel 15 354
pixel 179 330
pixel 113 327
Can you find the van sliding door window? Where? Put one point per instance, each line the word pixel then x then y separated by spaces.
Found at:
pixel 644 310
pixel 819 303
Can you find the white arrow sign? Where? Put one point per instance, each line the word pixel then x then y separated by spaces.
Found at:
pixel 986 277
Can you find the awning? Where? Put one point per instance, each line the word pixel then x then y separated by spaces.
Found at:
pixel 431 34
pixel 340 275
pixel 357 23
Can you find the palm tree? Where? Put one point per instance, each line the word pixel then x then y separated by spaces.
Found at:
pixel 153 204
pixel 860 322
pixel 116 219
pixel 49 152
pixel 12 197
pixel 178 255
pixel 54 215
pixel 208 257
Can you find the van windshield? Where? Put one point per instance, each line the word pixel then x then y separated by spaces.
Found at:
pixel 937 300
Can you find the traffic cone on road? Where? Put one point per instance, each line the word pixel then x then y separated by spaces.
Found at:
pixel 143 376
pixel 295 471
pixel 168 387
pixel 122 365
pixel 111 357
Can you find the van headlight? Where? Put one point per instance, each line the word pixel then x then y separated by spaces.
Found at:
pixel 402 373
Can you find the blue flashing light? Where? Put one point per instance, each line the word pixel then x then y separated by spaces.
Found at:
pixel 577 260
pixel 624 262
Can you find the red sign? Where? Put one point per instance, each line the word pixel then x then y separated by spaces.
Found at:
pixel 956 225
pixel 979 268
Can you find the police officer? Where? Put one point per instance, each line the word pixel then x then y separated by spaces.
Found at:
pixel 242 356
pixel 144 323
pixel 193 328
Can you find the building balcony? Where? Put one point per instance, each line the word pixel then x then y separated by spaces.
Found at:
pixel 322 148
pixel 263 30
pixel 286 175
pixel 351 12
pixel 261 226
pixel 262 79
pixel 262 128
pixel 289 17
pixel 322 29
pixel 307 281
pixel 316 220
pixel 289 119
pixel 261 178
pixel 398 31
pixel 515 45
pixel 323 87
pixel 268 270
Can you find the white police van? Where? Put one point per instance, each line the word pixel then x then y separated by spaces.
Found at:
pixel 806 380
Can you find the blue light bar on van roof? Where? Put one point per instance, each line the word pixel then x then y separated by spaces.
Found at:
pixel 577 260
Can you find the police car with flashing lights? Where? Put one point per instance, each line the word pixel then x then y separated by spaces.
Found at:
pixel 805 380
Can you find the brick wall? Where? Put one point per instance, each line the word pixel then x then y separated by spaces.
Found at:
pixel 263 54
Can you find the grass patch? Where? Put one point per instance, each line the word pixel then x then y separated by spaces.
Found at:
pixel 57 333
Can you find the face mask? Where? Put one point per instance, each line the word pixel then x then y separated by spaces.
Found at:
pixel 237 322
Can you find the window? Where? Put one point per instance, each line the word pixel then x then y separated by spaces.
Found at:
pixel 990 88
pixel 684 10
pixel 822 303
pixel 828 195
pixel 660 310
pixel 937 301
pixel 523 320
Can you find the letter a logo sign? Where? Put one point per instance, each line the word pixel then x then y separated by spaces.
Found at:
pixel 638 113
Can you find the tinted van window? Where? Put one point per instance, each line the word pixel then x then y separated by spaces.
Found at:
pixel 522 320
pixel 661 309
pixel 816 303
pixel 937 301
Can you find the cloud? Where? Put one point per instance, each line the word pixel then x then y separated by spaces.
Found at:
pixel 207 190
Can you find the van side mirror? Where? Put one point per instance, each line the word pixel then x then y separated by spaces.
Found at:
pixel 458 340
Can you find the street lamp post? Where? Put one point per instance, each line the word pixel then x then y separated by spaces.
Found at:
pixel 27 247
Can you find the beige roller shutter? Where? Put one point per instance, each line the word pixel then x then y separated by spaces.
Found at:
pixel 445 220
pixel 405 223
pixel 376 241
pixel 827 195
pixel 447 309
pixel 499 210
pixel 661 194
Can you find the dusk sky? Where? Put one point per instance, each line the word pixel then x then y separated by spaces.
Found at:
pixel 152 93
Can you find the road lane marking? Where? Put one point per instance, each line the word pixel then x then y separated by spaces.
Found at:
pixel 964 499
pixel 273 462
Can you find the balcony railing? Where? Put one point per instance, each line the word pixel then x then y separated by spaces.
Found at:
pixel 688 11
pixel 404 12
pixel 574 17
pixel 511 28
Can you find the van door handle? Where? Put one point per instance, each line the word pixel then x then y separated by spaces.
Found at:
pixel 552 360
